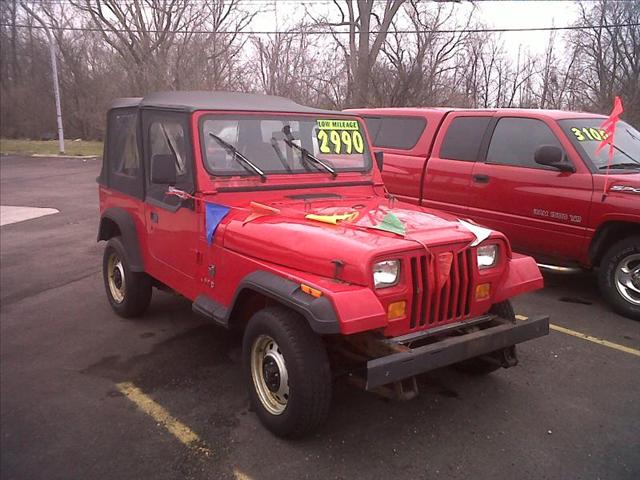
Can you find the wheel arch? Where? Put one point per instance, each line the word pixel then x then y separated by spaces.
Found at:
pixel 606 235
pixel 118 222
pixel 261 288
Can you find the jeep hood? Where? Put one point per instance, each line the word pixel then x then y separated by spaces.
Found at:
pixel 291 239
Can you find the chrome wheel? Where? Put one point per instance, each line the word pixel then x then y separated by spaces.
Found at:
pixel 269 374
pixel 627 278
pixel 115 275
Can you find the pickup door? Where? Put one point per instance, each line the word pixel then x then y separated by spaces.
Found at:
pixel 448 173
pixel 543 212
pixel 401 139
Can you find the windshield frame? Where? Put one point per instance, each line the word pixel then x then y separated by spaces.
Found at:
pixel 367 167
pixel 565 125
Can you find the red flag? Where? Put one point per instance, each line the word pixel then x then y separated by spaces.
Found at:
pixel 609 127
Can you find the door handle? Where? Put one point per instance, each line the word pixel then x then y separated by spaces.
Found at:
pixel 481 178
pixel 154 217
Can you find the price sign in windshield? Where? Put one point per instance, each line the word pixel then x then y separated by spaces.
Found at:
pixel 586 134
pixel 339 137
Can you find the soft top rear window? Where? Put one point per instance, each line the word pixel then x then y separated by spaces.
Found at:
pixel 401 133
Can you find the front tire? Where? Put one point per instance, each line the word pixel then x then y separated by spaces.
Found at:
pixel 287 372
pixel 129 293
pixel 482 365
pixel 619 277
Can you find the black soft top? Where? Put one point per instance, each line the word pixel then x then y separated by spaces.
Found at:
pixel 231 101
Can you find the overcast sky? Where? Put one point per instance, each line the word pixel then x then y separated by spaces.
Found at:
pixel 497 14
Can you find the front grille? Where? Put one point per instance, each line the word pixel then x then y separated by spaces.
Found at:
pixel 432 305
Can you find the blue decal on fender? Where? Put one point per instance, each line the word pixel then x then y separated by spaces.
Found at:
pixel 213 216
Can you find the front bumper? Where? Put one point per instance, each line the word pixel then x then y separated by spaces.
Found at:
pixel 398 366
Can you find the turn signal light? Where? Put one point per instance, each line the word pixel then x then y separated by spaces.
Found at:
pixel 483 291
pixel 314 292
pixel 396 310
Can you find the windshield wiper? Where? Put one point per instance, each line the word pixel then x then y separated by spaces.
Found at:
pixel 626 155
pixel 620 165
pixel 247 164
pixel 306 154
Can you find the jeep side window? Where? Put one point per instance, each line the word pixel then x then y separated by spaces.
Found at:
pixel 463 138
pixel 168 133
pixel 123 158
pixel 515 141
pixel 167 138
pixel 129 160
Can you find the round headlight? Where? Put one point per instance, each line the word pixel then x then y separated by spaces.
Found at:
pixel 386 273
pixel 487 256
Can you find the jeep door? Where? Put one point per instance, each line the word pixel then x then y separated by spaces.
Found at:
pixel 171 222
pixel 543 211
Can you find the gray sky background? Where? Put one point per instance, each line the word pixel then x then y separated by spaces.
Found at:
pixel 495 14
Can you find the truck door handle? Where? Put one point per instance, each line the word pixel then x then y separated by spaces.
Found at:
pixel 154 217
pixel 481 178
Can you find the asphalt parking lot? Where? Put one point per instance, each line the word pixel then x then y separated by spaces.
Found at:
pixel 570 410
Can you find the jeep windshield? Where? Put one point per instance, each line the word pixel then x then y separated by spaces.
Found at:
pixel 281 144
pixel 587 133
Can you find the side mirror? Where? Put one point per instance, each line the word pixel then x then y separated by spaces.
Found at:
pixel 163 169
pixel 552 156
pixel 379 156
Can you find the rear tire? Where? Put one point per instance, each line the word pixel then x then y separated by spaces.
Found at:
pixel 619 277
pixel 129 293
pixel 287 372
pixel 482 366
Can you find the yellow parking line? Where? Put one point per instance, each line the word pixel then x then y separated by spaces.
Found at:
pixel 589 338
pixel 599 341
pixel 178 429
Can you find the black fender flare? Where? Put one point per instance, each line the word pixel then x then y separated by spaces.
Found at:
pixel 128 233
pixel 319 312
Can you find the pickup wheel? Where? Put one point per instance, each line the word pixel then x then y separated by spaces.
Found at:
pixel 619 277
pixel 482 365
pixel 129 293
pixel 287 372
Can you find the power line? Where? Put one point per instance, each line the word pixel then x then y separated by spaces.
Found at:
pixel 327 32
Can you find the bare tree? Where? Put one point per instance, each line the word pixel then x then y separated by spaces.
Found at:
pixel 145 33
pixel 608 56
pixel 422 65
pixel 367 29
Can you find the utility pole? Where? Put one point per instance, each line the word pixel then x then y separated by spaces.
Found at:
pixel 54 74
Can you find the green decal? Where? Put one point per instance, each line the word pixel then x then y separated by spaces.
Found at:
pixel 391 223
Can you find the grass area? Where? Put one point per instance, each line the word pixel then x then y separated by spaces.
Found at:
pixel 49 147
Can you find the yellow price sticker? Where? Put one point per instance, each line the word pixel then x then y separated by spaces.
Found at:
pixel 589 134
pixel 339 137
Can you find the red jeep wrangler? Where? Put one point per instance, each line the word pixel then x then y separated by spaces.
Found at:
pixel 533 175
pixel 272 217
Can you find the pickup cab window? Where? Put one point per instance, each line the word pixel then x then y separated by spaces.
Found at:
pixel 463 138
pixel 586 134
pixel 401 133
pixel 515 141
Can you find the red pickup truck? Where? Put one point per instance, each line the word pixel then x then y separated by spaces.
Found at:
pixel 531 174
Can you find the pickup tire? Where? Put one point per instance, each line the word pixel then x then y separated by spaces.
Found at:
pixel 287 372
pixel 619 277
pixel 129 293
pixel 483 365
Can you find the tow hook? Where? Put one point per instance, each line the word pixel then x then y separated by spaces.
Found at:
pixel 506 358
